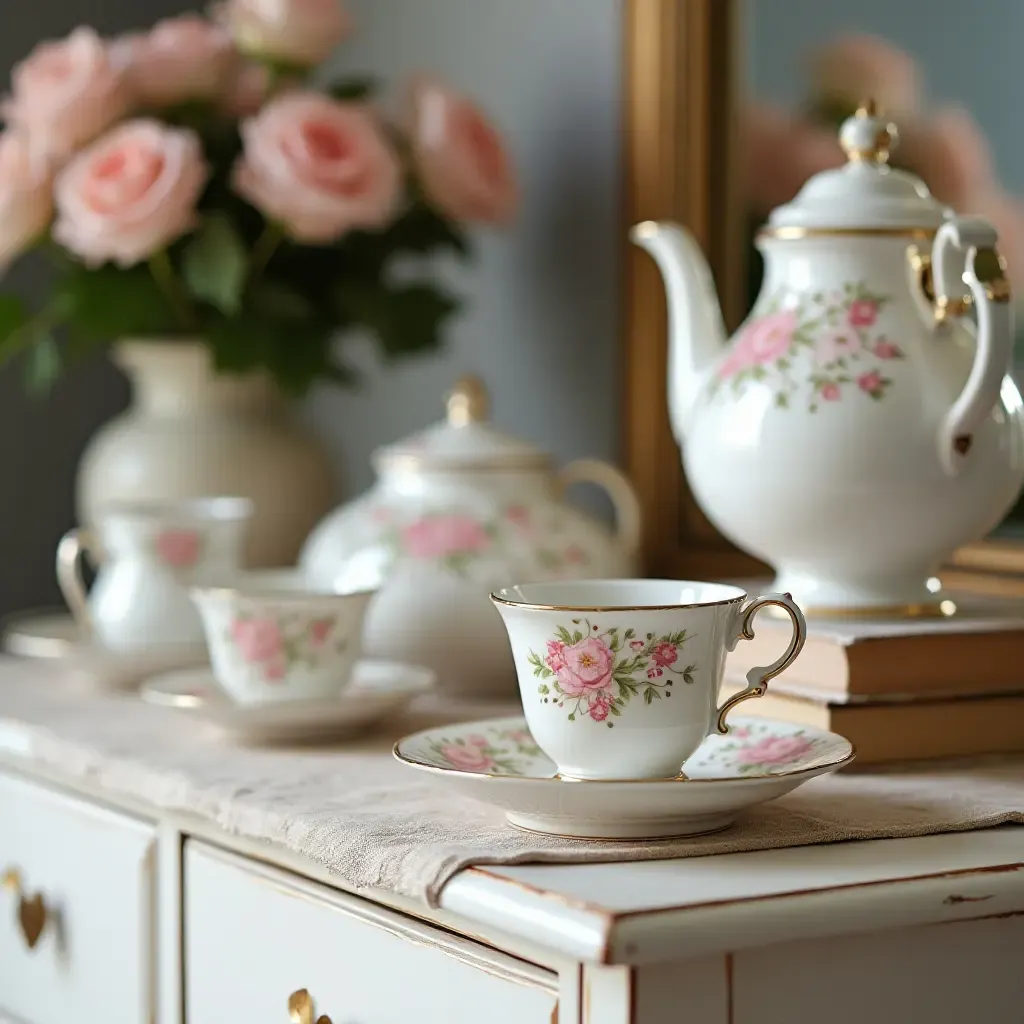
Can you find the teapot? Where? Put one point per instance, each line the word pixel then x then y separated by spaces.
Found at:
pixel 460 510
pixel 859 427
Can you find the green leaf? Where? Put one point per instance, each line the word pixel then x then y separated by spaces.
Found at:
pixel 564 635
pixel 577 636
pixel 648 695
pixel 543 688
pixel 44 364
pixel 111 302
pixel 630 633
pixel 614 709
pixel 351 90
pixel 280 302
pixel 13 317
pixel 572 717
pixel 405 318
pixel 215 264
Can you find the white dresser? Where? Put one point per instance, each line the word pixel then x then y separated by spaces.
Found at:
pixel 150 918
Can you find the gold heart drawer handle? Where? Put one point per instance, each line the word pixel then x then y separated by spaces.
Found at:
pixel 300 1009
pixel 32 912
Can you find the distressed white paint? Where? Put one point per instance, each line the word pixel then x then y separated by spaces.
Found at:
pixel 95 870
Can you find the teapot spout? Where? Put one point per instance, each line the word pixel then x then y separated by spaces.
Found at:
pixel 696 329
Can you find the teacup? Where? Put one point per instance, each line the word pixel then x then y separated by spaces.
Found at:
pixel 147 555
pixel 620 678
pixel 272 638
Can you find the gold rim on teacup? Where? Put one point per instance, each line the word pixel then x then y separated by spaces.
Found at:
pixel 501 596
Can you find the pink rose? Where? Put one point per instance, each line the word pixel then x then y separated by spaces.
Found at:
pixel 438 536
pixel 130 194
pixel 184 58
pixel 467 758
pixel 274 672
pixel 599 707
pixel 300 32
pixel 521 737
pixel 887 350
pixel 318 167
pixel 320 630
pixel 863 313
pixel 518 515
pixel 65 93
pixel 830 392
pixel 26 197
pixel 774 750
pixel 179 549
pixel 870 382
pixel 767 338
pixel 587 667
pixel 834 345
pixel 653 673
pixel 636 645
pixel 460 158
pixel 478 741
pixel 664 654
pixel 555 659
pixel 257 639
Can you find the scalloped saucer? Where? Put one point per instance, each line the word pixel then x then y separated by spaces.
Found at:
pixel 377 689
pixel 497 762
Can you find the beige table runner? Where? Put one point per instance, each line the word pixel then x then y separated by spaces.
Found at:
pixel 377 824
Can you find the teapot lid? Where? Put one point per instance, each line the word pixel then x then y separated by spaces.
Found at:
pixel 865 193
pixel 465 440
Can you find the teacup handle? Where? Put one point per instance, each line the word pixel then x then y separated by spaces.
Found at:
pixel 757 678
pixel 73 545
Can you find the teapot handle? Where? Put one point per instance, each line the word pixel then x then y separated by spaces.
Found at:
pixel 628 517
pixel 965 253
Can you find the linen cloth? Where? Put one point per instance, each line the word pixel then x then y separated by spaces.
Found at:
pixel 377 824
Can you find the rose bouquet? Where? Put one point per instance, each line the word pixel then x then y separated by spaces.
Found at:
pixel 194 181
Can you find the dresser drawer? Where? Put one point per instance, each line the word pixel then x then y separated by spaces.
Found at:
pixel 255 936
pixel 86 876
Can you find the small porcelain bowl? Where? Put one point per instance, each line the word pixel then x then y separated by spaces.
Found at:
pixel 273 638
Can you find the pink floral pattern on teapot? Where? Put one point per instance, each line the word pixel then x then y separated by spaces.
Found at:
pixel 827 348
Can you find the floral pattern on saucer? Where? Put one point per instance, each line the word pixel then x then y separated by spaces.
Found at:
pixel 596 672
pixel 754 748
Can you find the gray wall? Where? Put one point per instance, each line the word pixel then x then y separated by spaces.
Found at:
pixel 542 318
pixel 970 53
pixel 542 315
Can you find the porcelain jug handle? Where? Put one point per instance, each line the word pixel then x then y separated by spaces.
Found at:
pixel 965 254
pixel 757 678
pixel 628 517
pixel 73 545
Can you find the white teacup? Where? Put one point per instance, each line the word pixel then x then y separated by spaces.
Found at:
pixel 272 638
pixel 620 678
pixel 148 554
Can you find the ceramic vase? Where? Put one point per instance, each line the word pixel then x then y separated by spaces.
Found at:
pixel 190 432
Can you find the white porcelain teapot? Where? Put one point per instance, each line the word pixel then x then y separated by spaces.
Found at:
pixel 858 428
pixel 460 510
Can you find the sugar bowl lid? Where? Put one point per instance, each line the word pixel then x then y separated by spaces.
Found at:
pixel 865 193
pixel 464 440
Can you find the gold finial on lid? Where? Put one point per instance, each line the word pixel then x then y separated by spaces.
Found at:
pixel 468 402
pixel 868 135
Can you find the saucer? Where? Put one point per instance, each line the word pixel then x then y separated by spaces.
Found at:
pixel 377 689
pixel 497 762
pixel 57 637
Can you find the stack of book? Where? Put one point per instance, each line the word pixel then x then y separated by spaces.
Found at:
pixel 900 690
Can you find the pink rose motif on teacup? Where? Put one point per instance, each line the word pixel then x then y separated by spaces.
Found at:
pixel 130 194
pixel 65 93
pixel 872 383
pixel 596 674
pixel 459 156
pixel 586 665
pixel 318 167
pixel 319 631
pixel 257 639
pixel 179 549
pixel 830 392
pixel 773 750
pixel 885 349
pixel 468 757
pixel 863 313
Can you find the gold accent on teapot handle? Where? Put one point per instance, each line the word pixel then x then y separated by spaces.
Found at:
pixel 300 1009
pixel 32 911
pixel 757 678
pixel 468 402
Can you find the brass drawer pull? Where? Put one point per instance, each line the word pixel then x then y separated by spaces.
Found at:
pixel 300 1009
pixel 32 912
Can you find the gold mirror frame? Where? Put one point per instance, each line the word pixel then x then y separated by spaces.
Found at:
pixel 681 83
